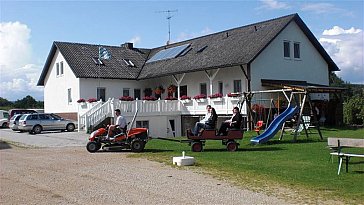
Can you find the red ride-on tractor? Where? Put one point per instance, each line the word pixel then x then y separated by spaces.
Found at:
pixel 135 140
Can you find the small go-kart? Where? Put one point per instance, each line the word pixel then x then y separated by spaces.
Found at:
pixel 133 139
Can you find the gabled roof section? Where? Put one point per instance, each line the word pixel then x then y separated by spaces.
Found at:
pixel 80 59
pixel 238 46
pixel 232 47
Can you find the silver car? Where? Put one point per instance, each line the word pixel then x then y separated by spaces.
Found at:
pixel 38 122
pixel 14 122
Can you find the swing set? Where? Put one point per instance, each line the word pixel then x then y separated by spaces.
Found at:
pixel 263 108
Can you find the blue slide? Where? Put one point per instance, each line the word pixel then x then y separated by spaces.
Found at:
pixel 275 126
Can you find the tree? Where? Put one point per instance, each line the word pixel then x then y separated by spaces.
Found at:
pixel 27 102
pixel 4 102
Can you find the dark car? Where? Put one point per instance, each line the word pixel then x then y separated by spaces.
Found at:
pixel 38 122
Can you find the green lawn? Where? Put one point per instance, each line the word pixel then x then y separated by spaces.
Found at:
pixel 304 166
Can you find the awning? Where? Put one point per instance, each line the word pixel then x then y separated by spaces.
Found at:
pixel 301 86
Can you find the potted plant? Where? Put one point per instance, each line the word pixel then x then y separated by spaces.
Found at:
pixel 126 98
pixel 158 91
pixel 92 100
pixel 171 89
pixel 81 100
pixel 170 98
pixel 200 98
pixel 149 98
pixel 216 97
pixel 185 99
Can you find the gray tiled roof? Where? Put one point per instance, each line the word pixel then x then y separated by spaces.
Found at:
pixel 236 46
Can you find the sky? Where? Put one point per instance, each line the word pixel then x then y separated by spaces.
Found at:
pixel 28 29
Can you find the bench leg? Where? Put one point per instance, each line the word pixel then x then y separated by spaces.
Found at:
pixel 340 163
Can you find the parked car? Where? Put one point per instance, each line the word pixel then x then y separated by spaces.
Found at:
pixel 13 112
pixel 38 122
pixel 14 122
pixel 4 118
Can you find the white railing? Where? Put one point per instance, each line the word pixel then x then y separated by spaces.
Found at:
pixel 101 111
pixel 95 114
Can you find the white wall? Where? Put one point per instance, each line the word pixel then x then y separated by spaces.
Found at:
pixel 271 64
pixel 56 88
pixel 193 80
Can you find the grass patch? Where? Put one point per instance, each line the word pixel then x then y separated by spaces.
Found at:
pixel 301 171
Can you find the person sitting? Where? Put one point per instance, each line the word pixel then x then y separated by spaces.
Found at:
pixel 233 122
pixel 205 122
pixel 120 123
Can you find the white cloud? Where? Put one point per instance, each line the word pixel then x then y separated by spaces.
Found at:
pixel 346 49
pixel 336 30
pixel 320 8
pixel 273 5
pixel 185 35
pixel 135 40
pixel 18 75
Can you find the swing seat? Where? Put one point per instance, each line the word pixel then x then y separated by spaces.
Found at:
pixel 258 126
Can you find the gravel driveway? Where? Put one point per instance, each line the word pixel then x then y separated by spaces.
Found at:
pixel 60 174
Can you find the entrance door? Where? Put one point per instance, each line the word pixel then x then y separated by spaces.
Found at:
pixel 171 127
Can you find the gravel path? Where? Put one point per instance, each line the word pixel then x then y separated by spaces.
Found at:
pixel 74 176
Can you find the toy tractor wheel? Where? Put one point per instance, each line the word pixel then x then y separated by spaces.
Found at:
pixel 93 146
pixel 196 147
pixel 137 145
pixel 231 146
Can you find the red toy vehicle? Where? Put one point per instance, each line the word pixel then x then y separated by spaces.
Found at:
pixel 134 139
pixel 197 142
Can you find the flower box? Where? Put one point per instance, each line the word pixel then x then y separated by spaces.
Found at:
pixel 126 98
pixel 201 100
pixel 185 101
pixel 216 99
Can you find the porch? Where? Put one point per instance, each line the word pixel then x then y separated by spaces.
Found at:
pixel 90 115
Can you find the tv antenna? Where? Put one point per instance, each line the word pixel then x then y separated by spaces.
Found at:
pixel 169 16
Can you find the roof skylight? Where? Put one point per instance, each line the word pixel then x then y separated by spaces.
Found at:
pixel 168 53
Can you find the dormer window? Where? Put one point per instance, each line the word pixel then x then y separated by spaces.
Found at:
pixel 129 63
pixel 97 61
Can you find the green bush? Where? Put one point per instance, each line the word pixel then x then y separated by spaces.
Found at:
pixel 354 111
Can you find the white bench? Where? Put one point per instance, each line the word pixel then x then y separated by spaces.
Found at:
pixel 336 144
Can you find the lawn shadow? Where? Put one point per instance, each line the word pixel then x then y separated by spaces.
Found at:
pixel 298 141
pixel 129 151
pixel 4 145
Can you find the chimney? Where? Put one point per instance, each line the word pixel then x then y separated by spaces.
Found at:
pixel 127 45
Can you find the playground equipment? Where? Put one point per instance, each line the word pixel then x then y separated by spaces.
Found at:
pixel 296 103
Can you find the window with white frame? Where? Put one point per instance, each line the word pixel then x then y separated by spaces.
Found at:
pixel 126 91
pixel 286 49
pixel 61 67
pixel 296 50
pixel 101 94
pixel 57 69
pixel 142 124
pixel 69 91
pixel 203 88
pixel 237 86
pixel 221 88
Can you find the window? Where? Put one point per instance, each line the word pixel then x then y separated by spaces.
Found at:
pixel 137 94
pixel 168 53
pixel 126 91
pixel 182 90
pixel 57 68
pixel 61 67
pixel 296 50
pixel 129 63
pixel 142 124
pixel 69 95
pixel 101 94
pixel 286 49
pixel 221 88
pixel 237 86
pixel 203 88
pixel 97 61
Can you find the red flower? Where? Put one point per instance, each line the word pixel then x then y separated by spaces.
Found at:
pixel 233 94
pixel 149 98
pixel 185 97
pixel 81 100
pixel 216 95
pixel 126 98
pixel 91 100
pixel 200 96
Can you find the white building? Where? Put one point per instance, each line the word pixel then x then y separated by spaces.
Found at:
pixel 235 60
